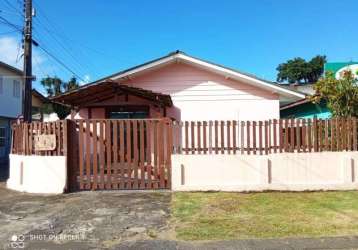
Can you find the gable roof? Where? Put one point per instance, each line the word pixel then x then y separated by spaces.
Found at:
pixel 11 68
pixel 179 56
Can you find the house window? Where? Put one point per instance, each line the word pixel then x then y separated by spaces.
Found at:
pixel 128 112
pixel 1 85
pixel 16 89
pixel 2 136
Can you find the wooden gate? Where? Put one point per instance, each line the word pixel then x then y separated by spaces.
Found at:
pixel 120 154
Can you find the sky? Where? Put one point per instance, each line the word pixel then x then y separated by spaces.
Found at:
pixel 96 38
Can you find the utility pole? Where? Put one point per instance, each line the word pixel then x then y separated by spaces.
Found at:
pixel 27 102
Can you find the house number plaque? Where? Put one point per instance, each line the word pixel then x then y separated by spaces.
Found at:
pixel 45 142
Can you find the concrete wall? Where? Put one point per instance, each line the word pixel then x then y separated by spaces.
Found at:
pixel 286 171
pixel 37 174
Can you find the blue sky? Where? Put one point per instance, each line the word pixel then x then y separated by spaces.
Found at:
pixel 102 37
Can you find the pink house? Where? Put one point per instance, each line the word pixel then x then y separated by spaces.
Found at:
pixel 181 87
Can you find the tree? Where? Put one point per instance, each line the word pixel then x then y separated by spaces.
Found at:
pixel 341 94
pixel 297 70
pixel 55 86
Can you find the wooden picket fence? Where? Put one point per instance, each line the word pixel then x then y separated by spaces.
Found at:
pixel 265 137
pixel 122 154
pixel 23 137
pixel 136 154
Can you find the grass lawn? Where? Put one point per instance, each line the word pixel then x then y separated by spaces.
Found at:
pixel 220 215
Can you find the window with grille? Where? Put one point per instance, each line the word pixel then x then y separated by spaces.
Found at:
pixel 16 89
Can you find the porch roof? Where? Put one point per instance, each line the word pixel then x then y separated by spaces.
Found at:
pixel 107 89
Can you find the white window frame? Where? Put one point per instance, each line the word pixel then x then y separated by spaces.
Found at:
pixel 3 137
pixel 16 89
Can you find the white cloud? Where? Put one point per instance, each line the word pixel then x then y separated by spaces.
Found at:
pixel 86 79
pixel 11 53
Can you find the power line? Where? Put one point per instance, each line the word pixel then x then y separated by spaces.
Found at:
pixel 60 62
pixel 10 24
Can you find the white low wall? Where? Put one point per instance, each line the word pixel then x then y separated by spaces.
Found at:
pixel 284 171
pixel 37 174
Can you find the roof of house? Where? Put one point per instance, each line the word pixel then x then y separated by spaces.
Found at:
pixel 296 103
pixel 181 56
pixel 11 68
pixel 39 95
pixel 107 89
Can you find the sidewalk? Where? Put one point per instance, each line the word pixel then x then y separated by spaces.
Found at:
pixel 300 243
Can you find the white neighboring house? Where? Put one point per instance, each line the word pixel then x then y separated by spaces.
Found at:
pixel 11 95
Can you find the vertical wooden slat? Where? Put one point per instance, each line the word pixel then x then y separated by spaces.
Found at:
pixel 315 135
pixel 242 129
pixel 292 135
pixel 354 134
pixel 81 153
pixel 222 137
pixel 122 179
pixel 101 154
pixel 129 154
pixel 198 136
pixel 192 137
pixel 349 134
pixel 228 134
pixel 109 154
pixel 205 146
pixel 275 136
pixel 326 131
pixel 210 137
pixel 309 135
pixel 280 133
pixel 260 137
pixel 155 153
pixel 304 135
pixel 298 137
pixel 161 153
pixel 168 163
pixel 142 153
pixel 266 137
pixel 287 134
pixel 254 137
pixel 115 153
pixel 338 134
pixel 135 154
pixel 186 131
pixel 95 163
pixel 248 144
pixel 234 147
pixel 216 137
pixel 88 155
pixel 149 130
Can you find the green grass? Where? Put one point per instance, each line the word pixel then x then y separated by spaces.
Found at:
pixel 219 215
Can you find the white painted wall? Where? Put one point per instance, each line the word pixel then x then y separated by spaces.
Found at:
pixel 10 106
pixel 37 174
pixel 286 172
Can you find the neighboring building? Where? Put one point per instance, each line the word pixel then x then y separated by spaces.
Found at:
pixel 339 67
pixel 305 109
pixel 38 104
pixel 11 94
pixel 181 87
